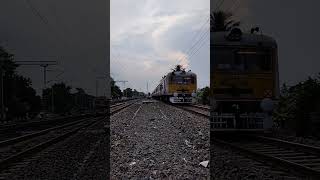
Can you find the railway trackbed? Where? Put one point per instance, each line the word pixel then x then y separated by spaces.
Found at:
pixel 16 149
pixel 290 157
pixel 118 107
pixel 196 109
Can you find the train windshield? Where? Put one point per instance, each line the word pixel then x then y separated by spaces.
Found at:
pixel 182 80
pixel 222 59
pixel 252 61
pixel 246 61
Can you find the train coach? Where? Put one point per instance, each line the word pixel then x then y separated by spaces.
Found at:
pixel 178 86
pixel 244 80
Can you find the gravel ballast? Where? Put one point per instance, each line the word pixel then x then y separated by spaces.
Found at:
pixel 156 141
pixel 148 141
pixel 67 159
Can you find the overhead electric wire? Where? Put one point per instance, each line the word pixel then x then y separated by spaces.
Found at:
pixel 45 21
pixel 36 12
pixel 203 35
pixel 197 51
pixel 184 56
pixel 196 34
pixel 63 28
pixel 192 49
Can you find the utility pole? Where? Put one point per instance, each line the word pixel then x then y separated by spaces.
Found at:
pixel 147 88
pixel 1 88
pixel 44 75
pixel 52 100
pixel 52 90
pixel 43 64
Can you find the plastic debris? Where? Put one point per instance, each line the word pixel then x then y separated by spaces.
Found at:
pixel 204 163
pixel 185 160
pixel 200 133
pixel 187 143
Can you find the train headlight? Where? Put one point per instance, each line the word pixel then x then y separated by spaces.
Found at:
pixel 267 105
pixel 175 94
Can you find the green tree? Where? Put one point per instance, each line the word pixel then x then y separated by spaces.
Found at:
pixel 203 95
pixel 296 103
pixel 128 92
pixel 135 93
pixel 19 97
pixel 222 21
pixel 62 97
pixel 115 90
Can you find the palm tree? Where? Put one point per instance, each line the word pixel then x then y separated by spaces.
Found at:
pixel 222 21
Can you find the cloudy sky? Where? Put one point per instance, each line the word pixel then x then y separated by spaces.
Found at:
pixel 294 26
pixel 148 37
pixel 73 32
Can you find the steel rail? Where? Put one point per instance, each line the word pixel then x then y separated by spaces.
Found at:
pixel 275 156
pixel 39 147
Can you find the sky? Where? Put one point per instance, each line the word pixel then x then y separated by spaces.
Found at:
pixel 292 23
pixel 73 32
pixel 149 37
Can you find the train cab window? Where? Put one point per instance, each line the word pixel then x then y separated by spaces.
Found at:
pixel 182 80
pixel 239 63
pixel 266 62
pixel 189 80
pixel 222 59
pixel 192 80
pixel 252 61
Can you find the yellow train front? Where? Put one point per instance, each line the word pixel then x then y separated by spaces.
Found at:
pixel 178 87
pixel 244 80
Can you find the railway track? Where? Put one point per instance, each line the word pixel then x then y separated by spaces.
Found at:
pixel 16 149
pixel 298 159
pixel 196 109
pixel 118 107
pixel 37 125
pixel 19 129
pixel 290 157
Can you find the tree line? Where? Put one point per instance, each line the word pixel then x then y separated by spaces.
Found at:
pixel 116 92
pixel 19 97
pixel 21 101
pixel 298 109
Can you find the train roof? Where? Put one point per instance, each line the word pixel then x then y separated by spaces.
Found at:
pixel 182 73
pixel 247 39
